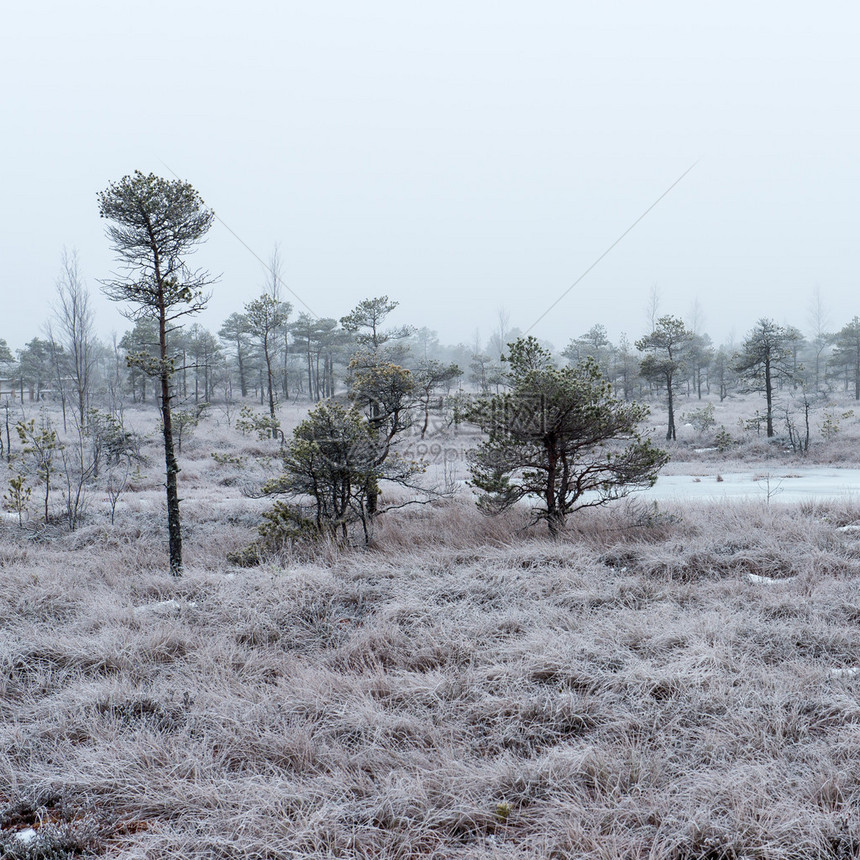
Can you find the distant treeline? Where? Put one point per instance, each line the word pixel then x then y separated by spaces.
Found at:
pixel 299 357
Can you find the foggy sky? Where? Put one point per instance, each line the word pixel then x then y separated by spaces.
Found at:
pixel 458 157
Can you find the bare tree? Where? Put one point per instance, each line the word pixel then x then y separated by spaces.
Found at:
pixel 80 467
pixel 282 327
pixel 74 317
pixel 652 309
pixel 822 338
pixel 58 360
pixel 500 335
pixel 114 375
pixel 696 320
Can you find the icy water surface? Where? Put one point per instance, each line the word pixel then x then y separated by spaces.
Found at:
pixel 781 484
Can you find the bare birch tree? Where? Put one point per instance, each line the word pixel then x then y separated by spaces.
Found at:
pixel 74 317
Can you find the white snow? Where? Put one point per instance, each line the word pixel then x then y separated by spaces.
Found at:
pixel 163 606
pixel 768 580
pixel 26 836
pixel 789 485
pixel 845 673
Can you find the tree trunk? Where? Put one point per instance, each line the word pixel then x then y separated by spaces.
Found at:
pixel 554 516
pixel 243 385
pixel 857 376
pixel 174 528
pixel 426 414
pixel 317 394
pixel 555 523
pixel 372 498
pixel 268 358
pixel 310 372
pixel 670 430
pixel 286 365
pixel 768 390
pixel 372 487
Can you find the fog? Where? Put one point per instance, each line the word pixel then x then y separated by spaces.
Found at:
pixel 460 158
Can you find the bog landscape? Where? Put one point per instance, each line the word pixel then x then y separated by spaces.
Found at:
pixel 319 587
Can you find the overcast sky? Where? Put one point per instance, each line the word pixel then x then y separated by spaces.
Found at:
pixel 458 157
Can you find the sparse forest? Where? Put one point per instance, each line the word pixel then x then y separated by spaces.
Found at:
pixel 225 554
pixel 776 397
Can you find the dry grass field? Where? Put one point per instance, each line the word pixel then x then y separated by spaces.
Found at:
pixel 676 683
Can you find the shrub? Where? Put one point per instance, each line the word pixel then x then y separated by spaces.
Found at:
pixel 723 440
pixel 830 425
pixel 702 419
pixel 265 426
pixel 337 460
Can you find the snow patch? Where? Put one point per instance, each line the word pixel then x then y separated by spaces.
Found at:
pixel 844 673
pixel 768 580
pixel 817 483
pixel 163 606
pixel 26 836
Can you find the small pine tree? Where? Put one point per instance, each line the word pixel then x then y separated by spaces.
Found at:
pixel 40 445
pixel 17 497
pixel 560 436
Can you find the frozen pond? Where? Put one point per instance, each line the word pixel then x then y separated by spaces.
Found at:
pixel 786 484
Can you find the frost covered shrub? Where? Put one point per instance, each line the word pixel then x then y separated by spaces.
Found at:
pixel 702 419
pixel 286 524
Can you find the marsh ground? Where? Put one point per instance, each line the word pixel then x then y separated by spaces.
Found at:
pixel 659 683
